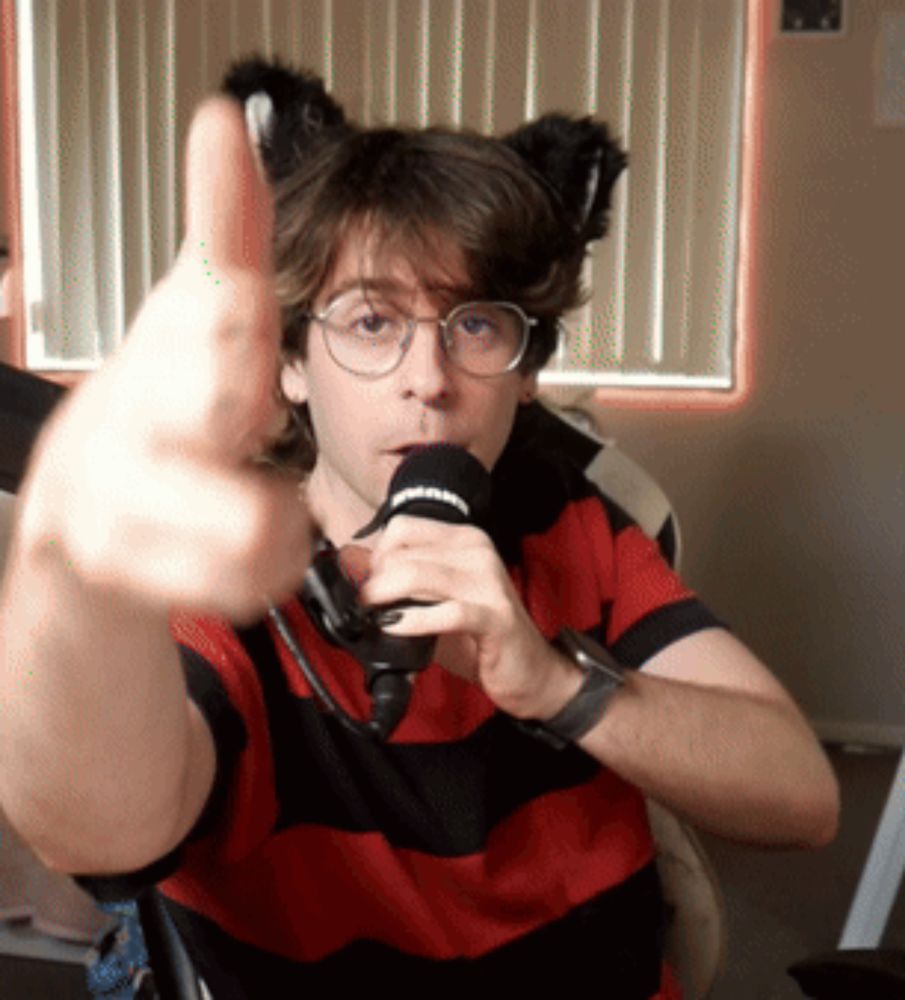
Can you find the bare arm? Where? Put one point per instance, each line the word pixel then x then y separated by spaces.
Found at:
pixel 706 730
pixel 140 498
pixel 703 728
pixel 106 763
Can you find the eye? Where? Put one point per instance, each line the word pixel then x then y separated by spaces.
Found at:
pixel 371 324
pixel 476 323
pixel 367 319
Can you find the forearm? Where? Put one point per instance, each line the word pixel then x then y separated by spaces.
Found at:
pixel 95 734
pixel 733 763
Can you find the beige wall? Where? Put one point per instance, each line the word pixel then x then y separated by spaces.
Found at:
pixel 794 504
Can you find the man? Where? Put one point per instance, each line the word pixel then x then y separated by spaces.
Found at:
pixel 421 277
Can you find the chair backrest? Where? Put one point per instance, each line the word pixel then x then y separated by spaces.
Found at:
pixel 621 479
pixel 25 403
pixel 696 941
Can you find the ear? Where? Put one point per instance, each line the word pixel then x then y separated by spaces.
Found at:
pixel 579 162
pixel 294 381
pixel 286 111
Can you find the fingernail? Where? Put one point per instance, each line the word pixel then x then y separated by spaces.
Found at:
pixel 384 618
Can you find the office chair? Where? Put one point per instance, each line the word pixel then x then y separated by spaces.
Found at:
pixel 696 944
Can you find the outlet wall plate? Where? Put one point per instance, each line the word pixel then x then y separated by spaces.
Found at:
pixel 812 17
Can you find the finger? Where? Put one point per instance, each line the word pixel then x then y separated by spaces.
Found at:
pixel 436 619
pixel 229 210
pixel 423 575
pixel 355 561
pixel 407 532
pixel 200 365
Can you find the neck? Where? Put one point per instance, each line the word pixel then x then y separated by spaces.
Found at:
pixel 338 512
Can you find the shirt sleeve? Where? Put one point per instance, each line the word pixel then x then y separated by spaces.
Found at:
pixel 651 606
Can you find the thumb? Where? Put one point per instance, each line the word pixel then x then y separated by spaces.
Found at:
pixel 228 206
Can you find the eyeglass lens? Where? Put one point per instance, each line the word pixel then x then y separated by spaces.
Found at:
pixel 366 334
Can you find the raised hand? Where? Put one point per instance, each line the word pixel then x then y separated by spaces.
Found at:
pixel 485 632
pixel 144 481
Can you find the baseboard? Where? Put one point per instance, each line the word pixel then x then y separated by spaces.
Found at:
pixel 878 734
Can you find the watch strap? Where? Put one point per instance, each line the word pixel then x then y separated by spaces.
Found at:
pixel 602 678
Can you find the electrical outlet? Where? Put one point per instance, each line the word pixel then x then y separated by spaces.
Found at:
pixel 811 17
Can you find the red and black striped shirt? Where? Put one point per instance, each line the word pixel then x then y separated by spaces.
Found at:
pixel 460 849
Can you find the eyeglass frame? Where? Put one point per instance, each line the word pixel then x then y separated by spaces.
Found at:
pixel 413 322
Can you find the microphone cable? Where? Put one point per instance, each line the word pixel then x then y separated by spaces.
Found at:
pixel 390 690
pixel 441 482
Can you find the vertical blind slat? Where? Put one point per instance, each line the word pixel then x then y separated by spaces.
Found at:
pixel 98 275
pixel 157 127
pixel 508 55
pixel 640 224
pixel 115 205
pixel 348 47
pixel 77 263
pixel 380 64
pixel 407 29
pixel 717 189
pixel 561 60
pixel 476 66
pixel 438 41
pixel 603 323
pixel 52 154
pixel 457 40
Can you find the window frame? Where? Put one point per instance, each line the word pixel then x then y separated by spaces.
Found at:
pixel 558 386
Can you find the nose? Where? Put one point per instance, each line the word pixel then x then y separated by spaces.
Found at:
pixel 425 370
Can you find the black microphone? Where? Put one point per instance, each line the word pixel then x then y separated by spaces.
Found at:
pixel 442 482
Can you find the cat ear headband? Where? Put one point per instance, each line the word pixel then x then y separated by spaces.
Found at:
pixel 575 158
pixel 579 162
pixel 285 110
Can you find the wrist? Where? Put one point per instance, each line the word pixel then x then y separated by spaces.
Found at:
pixel 601 677
pixel 557 681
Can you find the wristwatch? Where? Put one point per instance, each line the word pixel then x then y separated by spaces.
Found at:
pixel 602 678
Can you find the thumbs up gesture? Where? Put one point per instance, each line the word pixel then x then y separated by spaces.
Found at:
pixel 143 481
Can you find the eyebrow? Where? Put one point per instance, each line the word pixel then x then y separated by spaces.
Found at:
pixel 391 285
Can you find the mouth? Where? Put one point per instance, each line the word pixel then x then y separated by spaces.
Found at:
pixel 403 451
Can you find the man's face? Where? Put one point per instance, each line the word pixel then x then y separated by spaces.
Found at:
pixel 363 425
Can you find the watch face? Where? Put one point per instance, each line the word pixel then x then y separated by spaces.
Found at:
pixel 590 654
pixel 602 677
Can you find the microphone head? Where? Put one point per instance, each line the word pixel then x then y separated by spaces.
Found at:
pixel 440 481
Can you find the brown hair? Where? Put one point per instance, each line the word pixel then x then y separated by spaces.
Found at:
pixel 403 186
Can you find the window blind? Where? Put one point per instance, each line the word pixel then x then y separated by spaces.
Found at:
pixel 107 89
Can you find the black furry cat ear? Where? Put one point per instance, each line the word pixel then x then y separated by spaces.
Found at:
pixel 579 162
pixel 285 109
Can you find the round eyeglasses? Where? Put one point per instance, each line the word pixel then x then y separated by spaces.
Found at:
pixel 368 335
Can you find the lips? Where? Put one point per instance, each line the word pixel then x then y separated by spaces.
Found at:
pixel 407 449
